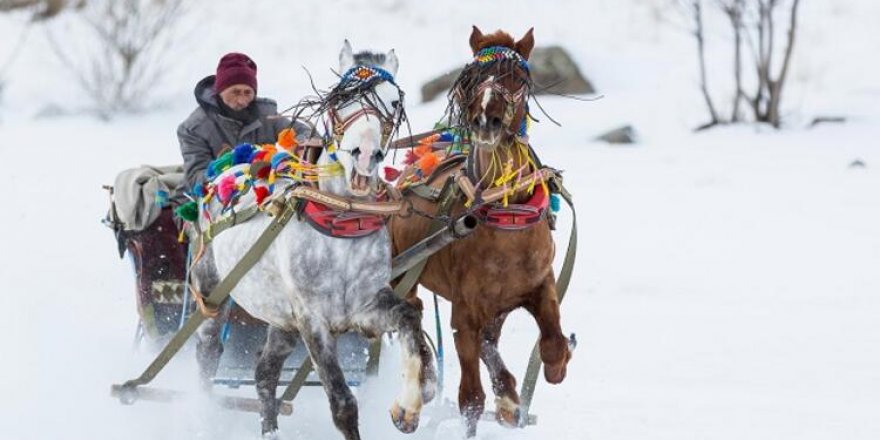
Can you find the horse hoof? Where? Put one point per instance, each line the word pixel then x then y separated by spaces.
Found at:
pixel 507 413
pixel 271 435
pixel 405 421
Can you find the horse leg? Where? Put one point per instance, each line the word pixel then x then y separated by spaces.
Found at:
pixel 471 398
pixel 391 313
pixel 343 406
pixel 503 383
pixel 279 345
pixel 554 346
pixel 209 348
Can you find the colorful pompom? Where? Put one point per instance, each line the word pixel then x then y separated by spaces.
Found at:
pixel 428 163
pixel 243 154
pixel 261 192
pixel 287 138
pixel 226 188
pixel 219 165
pixel 391 174
pixel 278 157
pixel 260 170
pixel 188 211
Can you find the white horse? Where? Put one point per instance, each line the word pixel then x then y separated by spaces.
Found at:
pixel 319 286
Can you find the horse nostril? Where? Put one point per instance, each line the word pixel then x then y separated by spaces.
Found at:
pixel 475 121
pixel 496 123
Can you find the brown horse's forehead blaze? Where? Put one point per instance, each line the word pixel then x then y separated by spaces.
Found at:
pixel 511 81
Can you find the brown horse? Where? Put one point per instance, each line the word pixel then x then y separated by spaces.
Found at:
pixel 496 269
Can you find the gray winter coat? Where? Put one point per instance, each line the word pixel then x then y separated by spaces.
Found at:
pixel 206 132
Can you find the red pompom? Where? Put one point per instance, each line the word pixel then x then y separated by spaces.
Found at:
pixel 391 174
pixel 261 192
pixel 261 170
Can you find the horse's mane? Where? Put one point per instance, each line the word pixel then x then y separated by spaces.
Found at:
pixel 367 58
pixel 497 38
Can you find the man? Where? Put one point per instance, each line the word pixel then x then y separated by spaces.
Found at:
pixel 229 114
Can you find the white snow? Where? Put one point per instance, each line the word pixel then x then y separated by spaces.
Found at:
pixel 727 284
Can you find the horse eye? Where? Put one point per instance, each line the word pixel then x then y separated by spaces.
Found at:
pixel 395 103
pixel 356 151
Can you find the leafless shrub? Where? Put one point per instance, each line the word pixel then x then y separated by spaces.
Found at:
pixel 125 53
pixel 754 24
pixel 42 9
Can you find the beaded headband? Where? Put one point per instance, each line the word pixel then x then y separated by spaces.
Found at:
pixel 497 53
pixel 365 74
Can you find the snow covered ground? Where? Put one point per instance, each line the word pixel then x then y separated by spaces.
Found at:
pixel 727 287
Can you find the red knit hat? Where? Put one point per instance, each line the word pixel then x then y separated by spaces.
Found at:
pixel 235 68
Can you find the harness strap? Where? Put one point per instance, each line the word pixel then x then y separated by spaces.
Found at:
pixel 411 277
pixel 412 141
pixel 217 296
pixel 527 392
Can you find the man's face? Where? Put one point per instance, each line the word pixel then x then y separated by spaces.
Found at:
pixel 237 97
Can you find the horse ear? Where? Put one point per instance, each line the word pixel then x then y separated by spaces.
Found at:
pixel 526 44
pixel 346 57
pixel 391 62
pixel 476 39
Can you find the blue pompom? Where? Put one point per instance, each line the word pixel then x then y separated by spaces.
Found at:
pixel 278 157
pixel 161 198
pixel 243 154
pixel 199 190
pixel 555 203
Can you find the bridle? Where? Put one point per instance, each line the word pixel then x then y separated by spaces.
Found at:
pixel 363 80
pixel 513 100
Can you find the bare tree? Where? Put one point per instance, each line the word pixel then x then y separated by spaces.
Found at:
pixel 696 7
pixel 767 98
pixel 752 22
pixel 734 10
pixel 124 58
pixel 42 9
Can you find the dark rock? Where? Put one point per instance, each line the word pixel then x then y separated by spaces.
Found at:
pixel 858 163
pixel 826 120
pixel 621 135
pixel 553 71
pixel 439 85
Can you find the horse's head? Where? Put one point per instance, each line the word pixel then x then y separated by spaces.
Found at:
pixel 366 109
pixel 493 90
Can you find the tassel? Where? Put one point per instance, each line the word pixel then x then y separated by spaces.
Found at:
pixel 260 170
pixel 188 211
pixel 243 154
pixel 428 163
pixel 391 174
pixel 287 138
pixel 261 192
pixel 226 188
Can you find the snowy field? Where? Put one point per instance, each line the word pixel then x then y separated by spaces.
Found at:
pixel 727 286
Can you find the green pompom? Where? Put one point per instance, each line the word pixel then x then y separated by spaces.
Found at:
pixel 188 211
